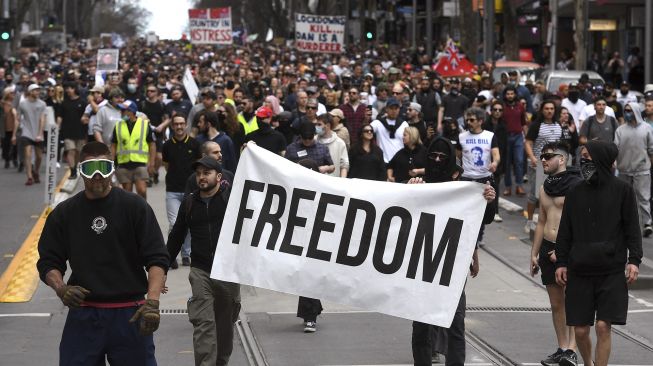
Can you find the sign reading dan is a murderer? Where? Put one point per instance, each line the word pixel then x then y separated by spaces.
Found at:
pixel 397 249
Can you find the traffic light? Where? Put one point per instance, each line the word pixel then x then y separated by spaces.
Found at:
pixel 5 30
pixel 369 30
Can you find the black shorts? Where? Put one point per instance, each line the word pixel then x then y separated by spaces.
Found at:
pixel 596 297
pixel 547 268
pixel 26 141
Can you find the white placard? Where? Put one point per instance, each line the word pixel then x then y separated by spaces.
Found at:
pixel 398 249
pixel 317 33
pixel 191 86
pixel 210 26
pixel 107 59
pixel 51 158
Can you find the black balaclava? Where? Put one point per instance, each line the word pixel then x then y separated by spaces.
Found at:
pixel 442 171
pixel 599 169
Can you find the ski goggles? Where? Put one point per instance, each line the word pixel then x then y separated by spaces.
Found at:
pixel 89 168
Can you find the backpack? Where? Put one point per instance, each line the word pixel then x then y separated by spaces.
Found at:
pixel 613 122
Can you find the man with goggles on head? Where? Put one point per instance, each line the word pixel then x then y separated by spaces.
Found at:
pixel 110 238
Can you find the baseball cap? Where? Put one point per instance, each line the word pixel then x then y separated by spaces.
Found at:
pixel 394 70
pixel 128 105
pixel 264 112
pixel 33 87
pixel 311 89
pixel 336 112
pixel 416 107
pixel 208 162
pixel 209 93
pixel 97 89
pixel 392 102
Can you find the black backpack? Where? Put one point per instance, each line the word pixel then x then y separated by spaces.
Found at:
pixel 613 122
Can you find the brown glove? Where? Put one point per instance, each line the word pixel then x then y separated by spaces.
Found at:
pixel 149 317
pixel 72 296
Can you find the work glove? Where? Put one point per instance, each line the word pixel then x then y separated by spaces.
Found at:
pixel 149 317
pixel 72 296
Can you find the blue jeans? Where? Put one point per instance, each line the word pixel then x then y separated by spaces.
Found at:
pixel 173 201
pixel 515 159
pixel 92 334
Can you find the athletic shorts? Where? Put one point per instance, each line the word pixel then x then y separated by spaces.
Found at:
pixel 71 144
pixel 547 268
pixel 26 141
pixel 596 297
pixel 132 175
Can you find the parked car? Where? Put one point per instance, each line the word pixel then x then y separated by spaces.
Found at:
pixel 553 79
pixel 527 70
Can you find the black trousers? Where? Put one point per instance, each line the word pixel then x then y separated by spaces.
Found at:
pixel 8 149
pixel 453 342
pixel 308 309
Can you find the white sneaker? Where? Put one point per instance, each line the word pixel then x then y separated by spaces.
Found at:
pixel 310 327
pixel 528 226
pixel 497 218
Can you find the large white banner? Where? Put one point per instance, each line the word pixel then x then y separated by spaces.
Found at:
pixel 210 26
pixel 320 33
pixel 398 249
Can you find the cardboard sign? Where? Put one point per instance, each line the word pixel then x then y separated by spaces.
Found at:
pixel 210 26
pixel 317 33
pixel 107 59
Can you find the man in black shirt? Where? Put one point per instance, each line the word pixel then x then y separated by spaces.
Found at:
pixel 178 105
pixel 179 153
pixel 215 304
pixel 267 137
pixel 73 131
pixel 455 104
pixel 155 111
pixel 110 238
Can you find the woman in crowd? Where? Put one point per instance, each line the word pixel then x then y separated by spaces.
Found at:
pixel 410 161
pixel 366 158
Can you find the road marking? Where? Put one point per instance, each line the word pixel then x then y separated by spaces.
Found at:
pixel 640 311
pixel 410 364
pixel 19 282
pixel 509 205
pixel 26 315
pixel 641 301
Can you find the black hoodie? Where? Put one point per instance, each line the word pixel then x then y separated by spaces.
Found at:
pixel 438 173
pixel 599 228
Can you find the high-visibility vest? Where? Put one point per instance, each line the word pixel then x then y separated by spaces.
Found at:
pixel 250 126
pixel 132 147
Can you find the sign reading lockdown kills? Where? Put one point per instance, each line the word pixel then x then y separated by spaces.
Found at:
pixel 210 26
pixel 399 249
pixel 318 33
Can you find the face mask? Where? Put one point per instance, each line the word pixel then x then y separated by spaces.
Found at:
pixel 125 118
pixel 588 171
pixel 573 96
pixel 319 130
pixel 131 88
pixel 512 83
pixel 629 116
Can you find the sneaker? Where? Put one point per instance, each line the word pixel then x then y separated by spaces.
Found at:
pixel 553 359
pixel 29 182
pixel 156 179
pixel 435 358
pixel 519 191
pixel 497 218
pixel 648 230
pixel 310 327
pixel 569 358
pixel 37 177
pixel 185 261
pixel 174 264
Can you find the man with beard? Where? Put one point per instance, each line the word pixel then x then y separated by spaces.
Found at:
pixel 441 167
pixel 214 305
pixel 552 197
pixel 574 104
pixel 454 103
pixel 389 130
pixel 598 238
pixel 354 112
pixel 514 114
pixel 429 100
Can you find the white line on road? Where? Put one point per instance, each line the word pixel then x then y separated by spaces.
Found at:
pixel 466 364
pixel 641 301
pixel 26 315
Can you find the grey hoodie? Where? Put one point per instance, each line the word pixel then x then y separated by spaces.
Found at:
pixel 635 143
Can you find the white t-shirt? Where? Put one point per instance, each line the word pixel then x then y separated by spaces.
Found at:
pixel 388 145
pixel 477 153
pixel 589 111
pixel 574 109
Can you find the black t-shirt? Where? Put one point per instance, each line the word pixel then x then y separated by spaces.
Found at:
pixel 454 107
pixel 268 138
pixel 154 111
pixel 405 160
pixel 181 107
pixel 179 155
pixel 71 112
pixel 109 242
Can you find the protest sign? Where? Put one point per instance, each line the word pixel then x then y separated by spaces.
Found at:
pixel 318 33
pixel 107 59
pixel 52 145
pixel 398 249
pixel 210 26
pixel 191 86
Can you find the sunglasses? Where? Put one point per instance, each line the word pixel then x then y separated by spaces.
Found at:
pixel 548 156
pixel 311 107
pixel 497 109
pixel 437 155
pixel 89 168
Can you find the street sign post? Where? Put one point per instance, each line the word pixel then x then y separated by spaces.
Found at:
pixel 51 158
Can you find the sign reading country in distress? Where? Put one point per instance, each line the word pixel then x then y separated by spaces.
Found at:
pixel 398 249
pixel 210 26
pixel 317 33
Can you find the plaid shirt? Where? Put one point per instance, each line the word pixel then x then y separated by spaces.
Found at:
pixel 354 119
pixel 317 152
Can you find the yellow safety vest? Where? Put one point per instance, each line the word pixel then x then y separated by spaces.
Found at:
pixel 132 147
pixel 250 126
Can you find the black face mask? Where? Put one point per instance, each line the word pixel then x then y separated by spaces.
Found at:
pixel 588 171
pixel 573 96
